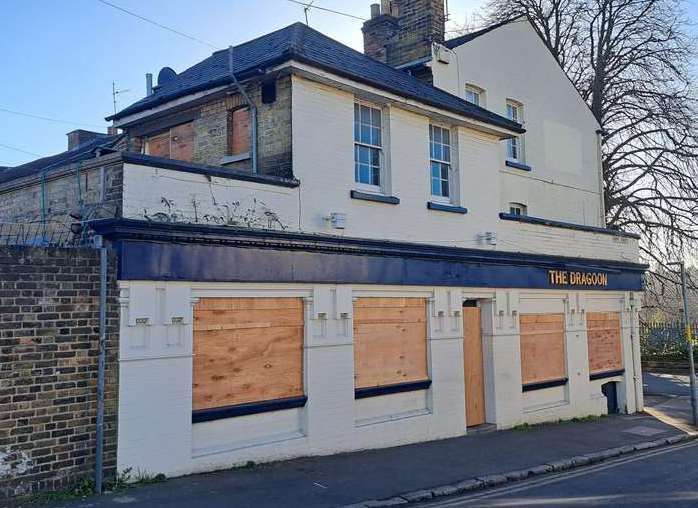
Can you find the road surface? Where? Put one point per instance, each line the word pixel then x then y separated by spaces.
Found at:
pixel 663 477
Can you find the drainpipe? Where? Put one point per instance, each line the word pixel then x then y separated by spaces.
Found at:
pixel 99 452
pixel 599 157
pixel 253 110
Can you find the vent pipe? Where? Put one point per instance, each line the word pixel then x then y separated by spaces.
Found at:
pixel 149 84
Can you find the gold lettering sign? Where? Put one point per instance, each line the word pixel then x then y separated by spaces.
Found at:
pixel 567 278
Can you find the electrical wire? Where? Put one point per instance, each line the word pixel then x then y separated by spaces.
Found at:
pixel 159 25
pixel 20 150
pixel 313 6
pixel 49 119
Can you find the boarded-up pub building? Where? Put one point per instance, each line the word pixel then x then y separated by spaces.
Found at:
pixel 322 251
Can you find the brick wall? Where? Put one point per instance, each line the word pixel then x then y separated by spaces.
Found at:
pixel 49 333
pixel 211 124
pixel 99 189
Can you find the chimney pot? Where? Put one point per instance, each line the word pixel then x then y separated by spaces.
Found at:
pixel 375 10
pixel 149 84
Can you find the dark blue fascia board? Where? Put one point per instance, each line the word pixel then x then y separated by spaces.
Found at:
pixel 202 169
pixel 518 165
pixel 566 225
pixel 441 207
pixel 250 408
pixel 153 251
pixel 542 385
pixel 376 198
pixel 607 374
pixel 377 391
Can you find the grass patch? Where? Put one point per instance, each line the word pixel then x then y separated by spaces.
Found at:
pixel 85 487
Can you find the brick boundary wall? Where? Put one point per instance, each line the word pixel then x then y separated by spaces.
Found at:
pixel 49 340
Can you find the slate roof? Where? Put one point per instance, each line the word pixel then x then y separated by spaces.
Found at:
pixel 81 152
pixel 459 41
pixel 301 43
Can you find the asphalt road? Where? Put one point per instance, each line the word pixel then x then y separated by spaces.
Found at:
pixel 665 384
pixel 664 477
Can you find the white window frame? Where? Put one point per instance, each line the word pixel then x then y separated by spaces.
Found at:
pixel 478 92
pixel 451 198
pixel 523 209
pixel 381 149
pixel 515 146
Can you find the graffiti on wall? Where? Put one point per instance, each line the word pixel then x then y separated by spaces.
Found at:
pixel 248 213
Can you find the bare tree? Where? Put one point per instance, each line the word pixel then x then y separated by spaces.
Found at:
pixel 630 60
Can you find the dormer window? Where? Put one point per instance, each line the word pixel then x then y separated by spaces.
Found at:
pixel 475 95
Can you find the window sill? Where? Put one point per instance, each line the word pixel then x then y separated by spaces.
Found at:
pixel 377 391
pixel 603 375
pixel 229 159
pixel 376 198
pixel 542 385
pixel 442 207
pixel 518 165
pixel 250 408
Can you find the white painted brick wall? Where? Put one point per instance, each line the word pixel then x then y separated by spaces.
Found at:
pixel 155 393
pixel 323 160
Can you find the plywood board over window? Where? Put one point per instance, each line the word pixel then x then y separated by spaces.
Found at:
pixel 175 143
pixel 542 348
pixel 390 344
pixel 604 340
pixel 247 350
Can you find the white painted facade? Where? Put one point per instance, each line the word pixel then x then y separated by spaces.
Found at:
pixel 155 429
pixel 156 433
pixel 511 62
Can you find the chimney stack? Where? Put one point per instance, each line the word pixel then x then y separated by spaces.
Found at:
pixel 80 136
pixel 403 31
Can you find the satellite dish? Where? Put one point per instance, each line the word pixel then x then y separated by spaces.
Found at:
pixel 166 75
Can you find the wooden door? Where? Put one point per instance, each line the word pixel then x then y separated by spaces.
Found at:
pixel 473 367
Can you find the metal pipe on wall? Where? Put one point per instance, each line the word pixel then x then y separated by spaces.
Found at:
pixel 251 105
pixel 101 363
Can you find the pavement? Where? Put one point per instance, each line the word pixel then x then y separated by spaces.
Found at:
pixel 380 474
pixel 667 398
pixel 420 471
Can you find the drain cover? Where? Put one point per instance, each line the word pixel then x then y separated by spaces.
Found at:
pixel 644 431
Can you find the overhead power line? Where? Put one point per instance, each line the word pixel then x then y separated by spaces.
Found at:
pixel 313 6
pixel 49 119
pixel 20 150
pixel 159 25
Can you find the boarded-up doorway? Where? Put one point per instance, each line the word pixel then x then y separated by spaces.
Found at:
pixel 474 371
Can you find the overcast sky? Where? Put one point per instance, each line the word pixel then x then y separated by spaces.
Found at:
pixel 59 58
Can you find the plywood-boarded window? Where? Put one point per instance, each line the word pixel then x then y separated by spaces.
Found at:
pixel 175 143
pixel 247 350
pixel 542 348
pixel 239 131
pixel 604 342
pixel 390 341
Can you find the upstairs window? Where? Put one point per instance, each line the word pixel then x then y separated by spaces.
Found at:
pixel 368 146
pixel 475 95
pixel 239 132
pixel 174 143
pixel 515 144
pixel 440 161
pixel 518 209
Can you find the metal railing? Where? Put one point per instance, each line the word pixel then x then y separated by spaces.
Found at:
pixel 39 234
pixel 664 341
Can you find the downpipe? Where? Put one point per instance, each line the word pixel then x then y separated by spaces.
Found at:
pixel 101 365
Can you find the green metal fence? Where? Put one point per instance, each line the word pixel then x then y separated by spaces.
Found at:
pixel 664 341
